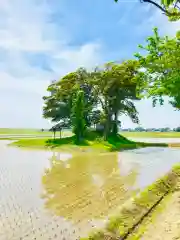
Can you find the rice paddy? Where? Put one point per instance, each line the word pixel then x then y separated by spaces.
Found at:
pixel 52 195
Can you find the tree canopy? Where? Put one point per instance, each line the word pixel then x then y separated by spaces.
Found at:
pixel 98 97
pixel 170 8
pixel 161 63
pixel 82 99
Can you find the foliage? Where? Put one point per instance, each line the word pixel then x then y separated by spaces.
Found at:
pixel 95 116
pixel 115 87
pixel 177 129
pixel 108 93
pixel 161 65
pixel 78 111
pixel 57 106
pixel 169 7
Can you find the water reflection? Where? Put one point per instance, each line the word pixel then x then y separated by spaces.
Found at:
pixel 79 188
pixel 152 163
pixel 90 187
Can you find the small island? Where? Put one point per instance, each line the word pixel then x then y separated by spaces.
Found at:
pixel 91 105
pixel 93 142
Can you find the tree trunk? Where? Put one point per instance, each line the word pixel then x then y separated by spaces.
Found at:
pixel 60 134
pixel 108 120
pixel 107 127
pixel 115 125
pixel 54 134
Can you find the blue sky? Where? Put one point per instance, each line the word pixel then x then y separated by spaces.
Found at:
pixel 42 40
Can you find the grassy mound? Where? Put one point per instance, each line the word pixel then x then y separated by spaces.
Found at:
pixel 129 216
pixel 92 140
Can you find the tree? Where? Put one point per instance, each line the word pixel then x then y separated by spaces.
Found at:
pixel 85 98
pixel 95 117
pixel 169 7
pixel 177 129
pixel 161 66
pixel 115 88
pixel 139 129
pixel 57 106
pixel 78 118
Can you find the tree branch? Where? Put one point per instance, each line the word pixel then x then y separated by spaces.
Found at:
pixel 158 6
pixel 176 4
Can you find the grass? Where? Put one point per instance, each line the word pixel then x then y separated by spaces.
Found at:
pixel 129 216
pixel 22 131
pixel 151 134
pixel 93 141
pixel 150 219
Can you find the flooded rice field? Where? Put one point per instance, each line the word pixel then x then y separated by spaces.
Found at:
pixel 51 195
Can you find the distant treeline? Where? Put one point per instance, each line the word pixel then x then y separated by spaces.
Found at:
pixel 140 129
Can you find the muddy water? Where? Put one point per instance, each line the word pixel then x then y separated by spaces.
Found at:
pixel 50 195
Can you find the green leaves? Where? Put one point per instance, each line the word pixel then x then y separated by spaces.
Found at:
pixel 58 105
pixel 116 86
pixel 161 65
pixel 78 114
pixel 87 98
pixel 167 2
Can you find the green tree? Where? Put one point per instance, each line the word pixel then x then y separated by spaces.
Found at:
pixel 107 93
pixel 177 129
pixel 161 65
pixel 115 88
pixel 78 112
pixel 95 117
pixel 57 106
pixel 169 7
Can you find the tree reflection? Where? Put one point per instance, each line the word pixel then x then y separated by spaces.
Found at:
pixel 87 186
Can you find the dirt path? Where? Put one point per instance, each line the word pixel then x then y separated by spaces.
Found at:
pixel 164 222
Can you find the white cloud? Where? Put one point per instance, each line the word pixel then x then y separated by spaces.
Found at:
pixel 25 27
pixel 153 17
pixel 165 26
pixel 87 55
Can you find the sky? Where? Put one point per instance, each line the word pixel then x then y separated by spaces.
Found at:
pixel 42 40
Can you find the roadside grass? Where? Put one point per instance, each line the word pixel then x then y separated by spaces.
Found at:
pixel 132 214
pixel 150 219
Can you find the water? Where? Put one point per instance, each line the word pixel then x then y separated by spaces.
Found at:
pixel 50 195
